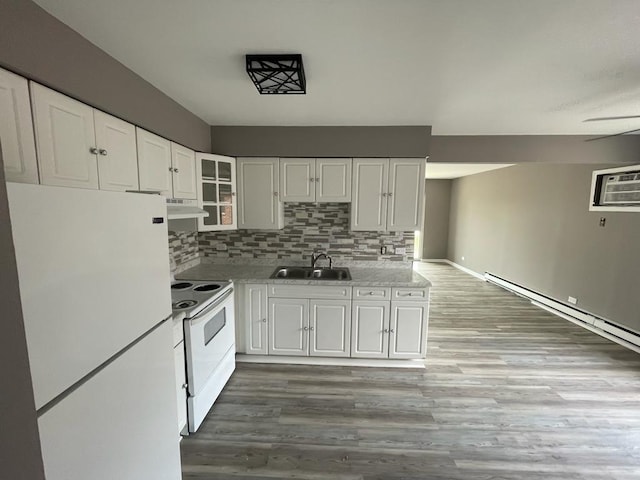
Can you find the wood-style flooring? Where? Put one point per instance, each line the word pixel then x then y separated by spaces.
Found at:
pixel 510 392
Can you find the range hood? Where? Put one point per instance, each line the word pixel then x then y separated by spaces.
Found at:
pixel 178 209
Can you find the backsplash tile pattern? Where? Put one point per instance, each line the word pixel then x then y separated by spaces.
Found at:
pixel 308 227
pixel 183 247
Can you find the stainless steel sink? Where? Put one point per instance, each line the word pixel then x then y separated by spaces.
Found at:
pixel 308 273
pixel 331 274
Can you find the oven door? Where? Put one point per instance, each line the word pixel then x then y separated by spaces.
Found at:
pixel 208 337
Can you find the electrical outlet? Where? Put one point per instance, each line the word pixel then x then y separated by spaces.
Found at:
pixel 603 221
pixel 573 300
pixel 383 250
pixel 401 251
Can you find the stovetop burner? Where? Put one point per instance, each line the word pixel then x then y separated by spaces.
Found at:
pixel 182 304
pixel 192 296
pixel 208 287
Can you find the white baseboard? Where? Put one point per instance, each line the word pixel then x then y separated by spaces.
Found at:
pixel 331 361
pixel 466 270
pixel 603 327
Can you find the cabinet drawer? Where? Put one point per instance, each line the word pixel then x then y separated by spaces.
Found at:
pixel 371 293
pixel 410 294
pixel 307 291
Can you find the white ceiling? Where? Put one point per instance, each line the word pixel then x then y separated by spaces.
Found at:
pixel 439 171
pixel 462 66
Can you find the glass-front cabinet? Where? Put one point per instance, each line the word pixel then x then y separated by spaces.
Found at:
pixel 217 192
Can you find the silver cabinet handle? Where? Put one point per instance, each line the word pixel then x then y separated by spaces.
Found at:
pixel 171 169
pixel 390 194
pixel 233 194
pixel 93 150
pixel 370 293
pixel 264 320
pixel 386 330
pixel 317 179
pixel 305 328
pixel 102 151
pixel 384 194
pixel 391 330
pixel 312 179
pixel 275 194
pixel 176 170
pixel 311 328
pixel 184 386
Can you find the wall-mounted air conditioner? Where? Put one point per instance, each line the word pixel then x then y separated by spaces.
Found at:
pixel 616 190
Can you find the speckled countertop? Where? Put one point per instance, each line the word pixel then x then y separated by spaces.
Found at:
pixel 362 276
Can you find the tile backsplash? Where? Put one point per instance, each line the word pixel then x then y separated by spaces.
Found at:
pixel 183 248
pixel 308 227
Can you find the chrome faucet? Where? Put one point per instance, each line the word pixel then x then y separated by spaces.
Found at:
pixel 315 258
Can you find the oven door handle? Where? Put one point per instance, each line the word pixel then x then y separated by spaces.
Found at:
pixel 202 316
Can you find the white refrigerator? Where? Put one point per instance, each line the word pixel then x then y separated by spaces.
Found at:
pixel 94 281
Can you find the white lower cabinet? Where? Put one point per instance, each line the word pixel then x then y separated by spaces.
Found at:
pixel 408 329
pixel 370 329
pixel 329 328
pixel 300 320
pixel 255 314
pixel 288 326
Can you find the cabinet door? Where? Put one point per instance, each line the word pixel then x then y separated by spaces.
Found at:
pixel 117 156
pixel 154 162
pixel 408 331
pixel 298 179
pixel 333 179
pixel 259 204
pixel 65 138
pixel 288 326
pixel 255 317
pixel 369 208
pixel 183 163
pixel 16 130
pixel 181 385
pixel 329 328
pixel 216 177
pixel 406 194
pixel 370 327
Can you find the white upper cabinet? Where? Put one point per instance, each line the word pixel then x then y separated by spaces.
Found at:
pixel 166 167
pixel 65 137
pixel 259 204
pixel 298 179
pixel 405 196
pixel 387 194
pixel 369 209
pixel 315 180
pixel 16 130
pixel 183 163
pixel 154 162
pixel 333 179
pixel 216 182
pixel 117 156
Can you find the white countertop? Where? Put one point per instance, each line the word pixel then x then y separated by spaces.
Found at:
pixel 361 276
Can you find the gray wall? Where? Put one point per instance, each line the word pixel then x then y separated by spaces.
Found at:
pixel 435 233
pixel 533 148
pixel 38 46
pixel 530 224
pixel 20 457
pixel 392 141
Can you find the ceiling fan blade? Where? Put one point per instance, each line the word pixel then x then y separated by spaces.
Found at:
pixel 600 119
pixel 612 135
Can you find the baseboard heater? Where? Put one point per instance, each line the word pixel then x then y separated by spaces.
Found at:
pixel 601 326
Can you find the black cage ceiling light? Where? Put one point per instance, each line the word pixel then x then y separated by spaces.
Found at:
pixel 277 73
